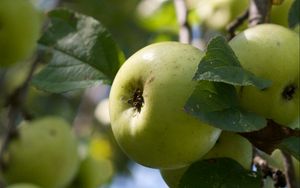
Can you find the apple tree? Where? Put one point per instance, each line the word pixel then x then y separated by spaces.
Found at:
pixel 206 91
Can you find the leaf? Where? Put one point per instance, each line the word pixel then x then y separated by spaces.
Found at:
pixel 216 104
pixel 291 145
pixel 220 64
pixel 294 14
pixel 217 173
pixel 82 53
pixel 215 99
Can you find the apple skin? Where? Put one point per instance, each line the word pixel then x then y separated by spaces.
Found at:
pixel 161 134
pixel 96 166
pixel 270 52
pixel 19 30
pixel 279 164
pixel 228 145
pixel 279 13
pixel 217 14
pixel 23 185
pixel 43 153
pixel 93 173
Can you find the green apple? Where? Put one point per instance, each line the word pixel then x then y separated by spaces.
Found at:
pixel 229 145
pixel 23 185
pixel 19 30
pixel 147 101
pixel 279 13
pixel 93 173
pixel 270 52
pixel 278 163
pixel 96 167
pixel 44 153
pixel 217 14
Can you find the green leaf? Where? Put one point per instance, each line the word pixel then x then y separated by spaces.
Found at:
pixel 294 14
pixel 82 53
pixel 220 64
pixel 217 173
pixel 215 99
pixel 291 145
pixel 216 104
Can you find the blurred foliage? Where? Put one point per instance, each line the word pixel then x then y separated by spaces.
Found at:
pixel 118 16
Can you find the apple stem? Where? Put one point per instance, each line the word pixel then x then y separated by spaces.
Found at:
pixel 259 12
pixel 16 111
pixel 289 170
pixel 181 14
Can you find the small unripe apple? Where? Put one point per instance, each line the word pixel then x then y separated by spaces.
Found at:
pixel 93 173
pixel 96 167
pixel 278 158
pixel 44 152
pixel 23 185
pixel 217 14
pixel 147 101
pixel 279 13
pixel 270 52
pixel 19 30
pixel 228 145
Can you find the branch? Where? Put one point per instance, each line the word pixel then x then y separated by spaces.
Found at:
pixel 15 104
pixel 231 28
pixel 268 138
pixel 185 29
pixel 259 11
pixel 289 170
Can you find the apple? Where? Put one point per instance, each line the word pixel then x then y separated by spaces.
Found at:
pixel 23 185
pixel 279 163
pixel 217 14
pixel 19 30
pixel 96 167
pixel 147 101
pixel 229 145
pixel 93 173
pixel 270 52
pixel 279 13
pixel 44 153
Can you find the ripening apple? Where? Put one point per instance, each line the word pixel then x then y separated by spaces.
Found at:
pixel 217 14
pixel 270 52
pixel 23 185
pixel 44 153
pixel 147 101
pixel 19 30
pixel 229 145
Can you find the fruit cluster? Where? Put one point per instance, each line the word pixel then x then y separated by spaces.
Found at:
pixel 44 153
pixel 151 88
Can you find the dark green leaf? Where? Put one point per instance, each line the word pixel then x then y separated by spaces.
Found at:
pixel 220 64
pixel 216 103
pixel 294 14
pixel 292 146
pixel 82 53
pixel 219 173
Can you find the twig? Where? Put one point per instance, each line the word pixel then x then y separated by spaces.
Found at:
pixel 268 138
pixel 289 170
pixel 185 29
pixel 231 28
pixel 259 11
pixel 15 102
